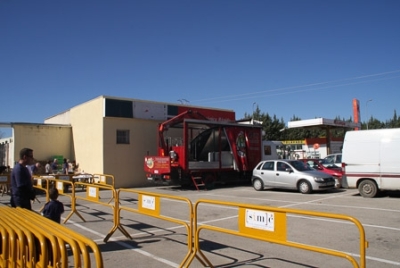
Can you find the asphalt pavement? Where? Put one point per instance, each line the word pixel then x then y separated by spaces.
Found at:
pixel 162 241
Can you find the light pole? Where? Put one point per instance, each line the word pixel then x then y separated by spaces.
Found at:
pixel 254 103
pixel 366 110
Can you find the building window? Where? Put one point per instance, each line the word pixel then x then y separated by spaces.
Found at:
pixel 122 136
pixel 267 150
pixel 119 108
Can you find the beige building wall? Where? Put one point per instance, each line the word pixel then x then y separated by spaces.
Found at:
pixel 46 141
pixel 125 161
pixel 87 135
pixel 94 141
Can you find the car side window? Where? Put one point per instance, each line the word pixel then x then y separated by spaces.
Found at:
pixel 268 166
pixel 338 158
pixel 281 166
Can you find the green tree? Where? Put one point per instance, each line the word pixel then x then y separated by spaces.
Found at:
pixel 275 129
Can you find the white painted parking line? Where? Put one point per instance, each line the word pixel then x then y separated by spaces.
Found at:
pixel 127 246
pixel 284 203
pixel 376 259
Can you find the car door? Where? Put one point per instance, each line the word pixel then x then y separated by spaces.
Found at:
pixel 267 173
pixel 284 175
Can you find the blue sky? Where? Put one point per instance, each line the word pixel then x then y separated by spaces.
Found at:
pixel 304 58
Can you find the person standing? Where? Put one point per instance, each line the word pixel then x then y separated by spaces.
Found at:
pixel 47 168
pixel 54 208
pixel 54 165
pixel 22 191
pixel 35 169
pixel 65 167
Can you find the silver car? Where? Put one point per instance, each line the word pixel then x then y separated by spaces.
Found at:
pixel 290 174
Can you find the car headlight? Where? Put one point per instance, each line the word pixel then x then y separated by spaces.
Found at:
pixel 317 179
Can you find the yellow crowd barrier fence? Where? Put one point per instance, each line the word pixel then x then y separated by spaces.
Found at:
pixel 31 240
pixel 269 224
pixel 149 204
pixel 263 223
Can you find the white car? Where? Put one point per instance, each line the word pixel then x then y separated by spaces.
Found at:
pixel 332 160
pixel 290 174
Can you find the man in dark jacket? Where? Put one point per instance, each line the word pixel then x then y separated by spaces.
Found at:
pixel 22 191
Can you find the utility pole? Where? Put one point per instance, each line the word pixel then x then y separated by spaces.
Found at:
pixel 366 110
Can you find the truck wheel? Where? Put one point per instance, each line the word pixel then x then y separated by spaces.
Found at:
pixel 305 187
pixel 258 185
pixel 368 188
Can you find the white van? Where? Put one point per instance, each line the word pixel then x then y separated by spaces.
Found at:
pixel 371 160
pixel 270 150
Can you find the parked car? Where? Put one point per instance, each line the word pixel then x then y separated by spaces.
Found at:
pixel 290 174
pixel 332 160
pixel 333 170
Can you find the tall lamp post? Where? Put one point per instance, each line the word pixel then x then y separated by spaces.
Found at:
pixel 254 103
pixel 366 110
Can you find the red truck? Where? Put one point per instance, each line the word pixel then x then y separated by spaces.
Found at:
pixel 193 149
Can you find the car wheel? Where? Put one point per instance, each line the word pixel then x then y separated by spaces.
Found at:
pixel 368 188
pixel 305 187
pixel 258 185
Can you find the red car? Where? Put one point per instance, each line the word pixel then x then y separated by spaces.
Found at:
pixel 334 171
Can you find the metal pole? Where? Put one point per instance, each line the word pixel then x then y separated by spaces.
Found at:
pixel 253 110
pixel 366 110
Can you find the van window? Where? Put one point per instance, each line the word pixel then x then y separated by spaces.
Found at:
pixel 267 150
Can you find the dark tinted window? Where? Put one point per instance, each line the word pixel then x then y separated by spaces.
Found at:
pixel 122 136
pixel 119 108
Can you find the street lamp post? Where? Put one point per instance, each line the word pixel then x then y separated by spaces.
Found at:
pixel 366 110
pixel 254 103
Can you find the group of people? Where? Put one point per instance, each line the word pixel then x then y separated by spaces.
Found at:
pixel 51 167
pixel 22 191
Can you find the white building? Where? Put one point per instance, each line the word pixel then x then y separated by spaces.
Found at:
pixel 106 135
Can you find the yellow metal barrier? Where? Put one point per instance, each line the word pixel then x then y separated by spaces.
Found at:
pixel 40 183
pixel 14 251
pixel 269 224
pixel 64 186
pixel 149 204
pixel 92 195
pixel 79 244
pixel 33 249
pixel 67 186
pixel 30 240
pixel 104 179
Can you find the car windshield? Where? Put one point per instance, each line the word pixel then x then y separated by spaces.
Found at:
pixel 328 162
pixel 300 166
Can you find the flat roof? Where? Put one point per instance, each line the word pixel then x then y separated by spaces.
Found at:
pixel 11 124
pixel 323 122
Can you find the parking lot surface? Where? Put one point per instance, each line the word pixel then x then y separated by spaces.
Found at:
pixel 162 243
